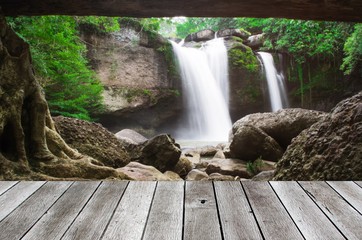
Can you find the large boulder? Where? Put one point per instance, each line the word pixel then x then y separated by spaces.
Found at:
pixel 160 151
pixel 203 35
pixel 233 32
pixel 329 150
pixel 93 140
pixel 255 41
pixel 282 125
pixel 250 143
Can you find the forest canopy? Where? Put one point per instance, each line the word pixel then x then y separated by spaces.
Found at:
pixel 72 88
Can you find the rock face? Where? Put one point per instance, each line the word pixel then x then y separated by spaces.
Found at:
pixel 233 32
pixel 93 140
pixel 329 150
pixel 255 41
pixel 136 72
pixel 200 36
pixel 266 135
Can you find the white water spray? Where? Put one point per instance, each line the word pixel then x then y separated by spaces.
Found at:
pixel 205 86
pixel 276 85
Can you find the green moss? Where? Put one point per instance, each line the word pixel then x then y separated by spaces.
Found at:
pixel 167 51
pixel 244 58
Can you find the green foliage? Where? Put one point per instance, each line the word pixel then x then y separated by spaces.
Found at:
pixel 244 58
pixel 71 88
pixel 191 25
pixel 353 50
pixel 167 51
pixel 100 24
pixel 255 167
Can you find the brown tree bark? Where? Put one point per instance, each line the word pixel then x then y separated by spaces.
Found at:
pixel 30 146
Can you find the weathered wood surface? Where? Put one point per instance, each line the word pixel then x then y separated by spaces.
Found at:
pixel 180 210
pixel 346 10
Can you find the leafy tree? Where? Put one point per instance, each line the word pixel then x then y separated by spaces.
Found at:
pixel 71 88
pixel 101 24
pixel 191 25
pixel 353 51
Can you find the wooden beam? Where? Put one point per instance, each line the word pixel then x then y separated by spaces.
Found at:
pixel 336 10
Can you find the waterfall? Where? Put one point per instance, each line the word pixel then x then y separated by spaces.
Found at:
pixel 276 83
pixel 205 88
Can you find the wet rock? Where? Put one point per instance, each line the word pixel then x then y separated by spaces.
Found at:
pixel 331 149
pixel 141 172
pixel 203 35
pixel 196 175
pixel 232 167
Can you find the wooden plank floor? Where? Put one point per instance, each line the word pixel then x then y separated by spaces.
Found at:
pixel 180 210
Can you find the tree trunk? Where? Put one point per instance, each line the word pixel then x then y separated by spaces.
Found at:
pixel 30 147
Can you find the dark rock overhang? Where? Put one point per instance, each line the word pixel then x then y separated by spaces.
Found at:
pixel 336 10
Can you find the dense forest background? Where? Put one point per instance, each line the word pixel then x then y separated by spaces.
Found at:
pixel 72 88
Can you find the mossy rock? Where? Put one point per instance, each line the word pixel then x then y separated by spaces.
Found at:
pixel 241 56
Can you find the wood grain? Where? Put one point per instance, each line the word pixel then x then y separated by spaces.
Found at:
pixel 310 220
pixel 166 214
pixel 349 191
pixel 16 195
pixel 129 219
pixel 92 221
pixel 201 216
pixel 346 218
pixel 58 218
pixel 359 183
pixel 236 216
pixel 273 219
pixel 5 185
pixel 16 224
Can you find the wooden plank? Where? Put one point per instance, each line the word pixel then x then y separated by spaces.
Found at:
pixel 16 195
pixel 346 218
pixel 129 220
pixel 273 219
pixel 236 216
pixel 310 220
pixel 92 221
pixel 58 218
pixel 166 214
pixel 5 185
pixel 201 217
pixel 359 183
pixel 349 191
pixel 17 223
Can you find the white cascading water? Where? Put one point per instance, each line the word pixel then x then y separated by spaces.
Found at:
pixel 276 85
pixel 205 86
